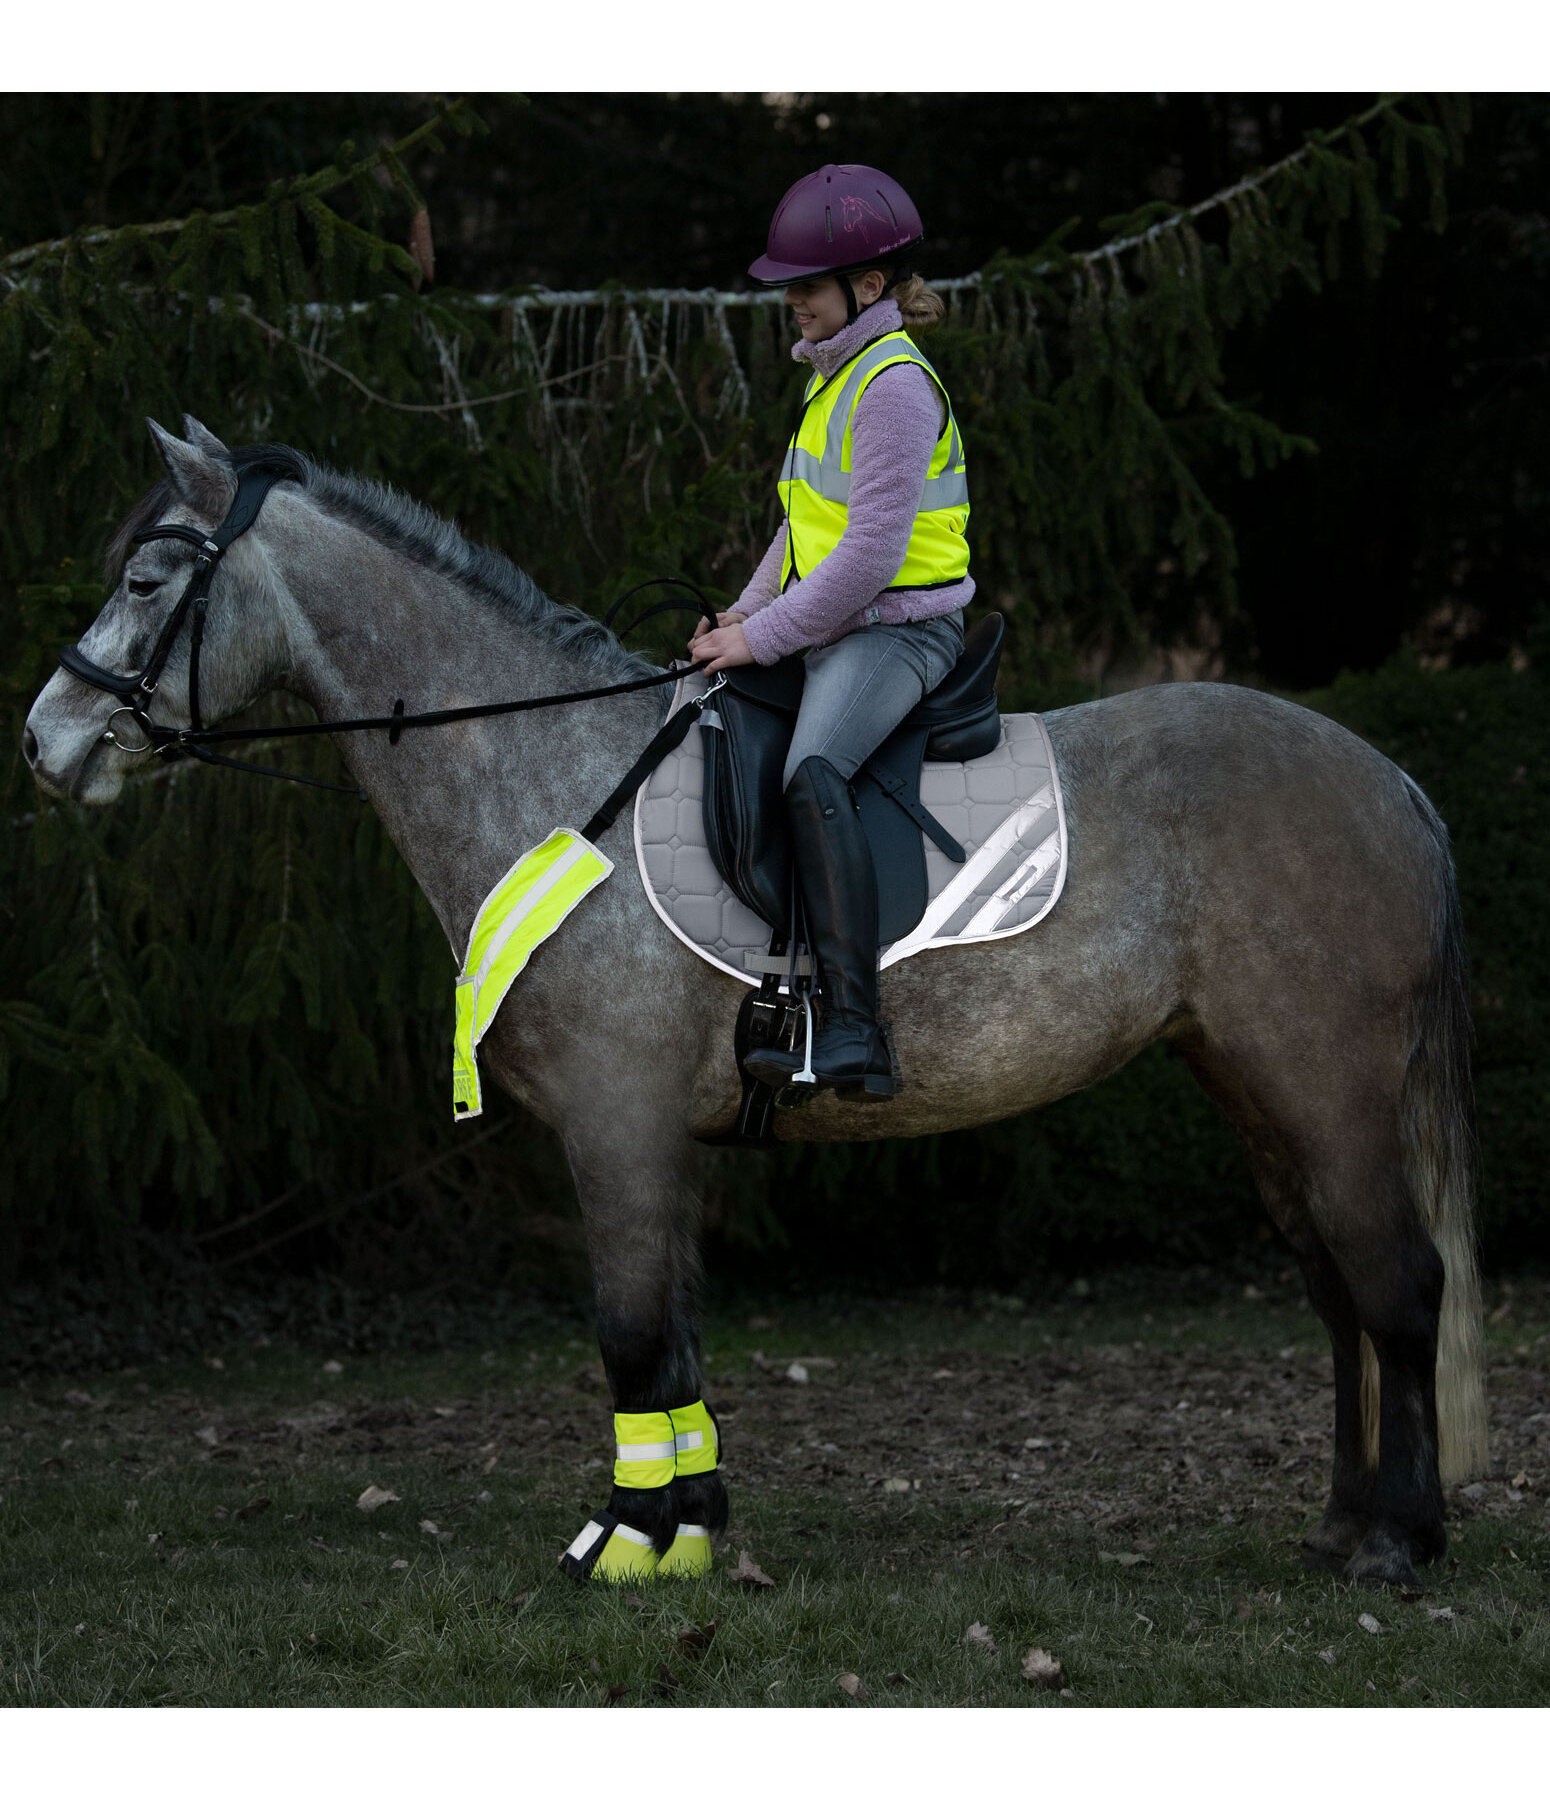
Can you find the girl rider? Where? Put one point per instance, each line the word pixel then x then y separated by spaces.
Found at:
pixel 867 578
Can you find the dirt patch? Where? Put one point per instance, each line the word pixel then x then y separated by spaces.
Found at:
pixel 1128 1442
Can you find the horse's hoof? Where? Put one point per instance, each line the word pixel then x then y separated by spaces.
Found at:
pixel 1335 1539
pixel 689 1554
pixel 1383 1561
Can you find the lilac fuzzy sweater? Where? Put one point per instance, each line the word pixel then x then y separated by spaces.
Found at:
pixel 895 430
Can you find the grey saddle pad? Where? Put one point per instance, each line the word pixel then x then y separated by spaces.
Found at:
pixel 1004 808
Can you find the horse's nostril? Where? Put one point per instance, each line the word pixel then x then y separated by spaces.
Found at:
pixel 29 747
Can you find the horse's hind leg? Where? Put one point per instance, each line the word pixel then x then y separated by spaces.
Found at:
pixel 1367 1214
pixel 1348 1516
pixel 1329 1169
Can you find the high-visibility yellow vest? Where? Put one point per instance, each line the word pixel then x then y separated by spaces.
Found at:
pixel 815 478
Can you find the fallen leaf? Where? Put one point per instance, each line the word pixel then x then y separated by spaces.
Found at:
pixel 333 1368
pixel 979 1637
pixel 695 1640
pixel 78 1397
pixel 432 1529
pixel 1520 1479
pixel 896 1484
pixel 944 1375
pixel 398 1563
pixel 259 1503
pixel 1039 1666
pixel 374 1497
pixel 209 1435
pixel 616 1693
pixel 1127 1559
pixel 1328 1656
pixel 797 1372
pixel 1037 1444
pixel 1369 1623
pixel 489 1463
pixel 748 1570
pixel 1439 1612
pixel 852 1684
pixel 219 1512
pixel 666 1681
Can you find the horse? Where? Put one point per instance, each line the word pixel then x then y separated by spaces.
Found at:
pixel 1247 880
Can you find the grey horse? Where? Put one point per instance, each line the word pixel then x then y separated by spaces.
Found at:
pixel 1247 880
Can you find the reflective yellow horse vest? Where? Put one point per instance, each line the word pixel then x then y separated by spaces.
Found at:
pixel 528 904
pixel 815 478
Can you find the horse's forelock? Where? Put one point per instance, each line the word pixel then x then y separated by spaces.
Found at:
pixel 289 464
pixel 145 511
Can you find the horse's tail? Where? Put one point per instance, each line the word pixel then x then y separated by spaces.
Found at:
pixel 1437 1121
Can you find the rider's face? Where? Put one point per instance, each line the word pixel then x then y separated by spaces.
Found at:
pixel 819 307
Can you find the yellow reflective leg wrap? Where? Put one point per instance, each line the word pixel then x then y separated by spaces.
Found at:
pixel 644 1450
pixel 528 904
pixel 694 1439
pixel 689 1553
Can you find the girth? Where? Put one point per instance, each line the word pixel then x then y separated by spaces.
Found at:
pixel 747 732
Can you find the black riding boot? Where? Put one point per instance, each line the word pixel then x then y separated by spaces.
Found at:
pixel 839 891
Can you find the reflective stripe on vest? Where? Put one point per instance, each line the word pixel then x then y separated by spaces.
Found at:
pixel 528 904
pixel 815 477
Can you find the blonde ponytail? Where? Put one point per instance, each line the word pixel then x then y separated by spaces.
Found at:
pixel 921 308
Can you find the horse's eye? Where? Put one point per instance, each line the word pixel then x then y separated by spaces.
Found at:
pixel 141 588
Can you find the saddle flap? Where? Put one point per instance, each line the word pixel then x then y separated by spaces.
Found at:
pixel 777 686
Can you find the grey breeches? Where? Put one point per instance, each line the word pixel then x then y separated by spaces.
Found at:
pixel 857 690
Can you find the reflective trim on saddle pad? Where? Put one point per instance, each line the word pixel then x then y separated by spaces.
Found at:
pixel 1005 809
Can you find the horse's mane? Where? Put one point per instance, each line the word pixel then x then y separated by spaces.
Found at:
pixel 412 530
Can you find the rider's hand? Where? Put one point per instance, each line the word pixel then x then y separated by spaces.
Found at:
pixel 724 648
pixel 702 624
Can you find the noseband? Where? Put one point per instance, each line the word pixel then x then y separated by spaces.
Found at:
pixel 136 691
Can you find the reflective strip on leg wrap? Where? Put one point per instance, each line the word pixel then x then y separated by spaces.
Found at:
pixel 644 1450
pixel 695 1443
pixel 689 1554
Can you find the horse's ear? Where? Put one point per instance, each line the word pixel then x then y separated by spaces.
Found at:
pixel 204 440
pixel 204 482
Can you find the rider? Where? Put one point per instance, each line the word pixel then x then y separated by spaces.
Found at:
pixel 867 576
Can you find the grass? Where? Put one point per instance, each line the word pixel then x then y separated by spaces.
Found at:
pixel 131 1577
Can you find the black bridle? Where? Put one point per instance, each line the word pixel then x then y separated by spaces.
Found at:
pixel 137 691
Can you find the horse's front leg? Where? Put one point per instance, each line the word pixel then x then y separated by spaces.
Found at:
pixel 635 1178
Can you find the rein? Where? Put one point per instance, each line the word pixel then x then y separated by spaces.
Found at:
pixel 136 691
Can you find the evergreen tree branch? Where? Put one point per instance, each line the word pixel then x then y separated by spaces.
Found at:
pixel 455 113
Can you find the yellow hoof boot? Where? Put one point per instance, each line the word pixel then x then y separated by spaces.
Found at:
pixel 609 1551
pixel 689 1554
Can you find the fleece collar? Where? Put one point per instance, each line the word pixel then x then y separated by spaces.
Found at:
pixel 834 352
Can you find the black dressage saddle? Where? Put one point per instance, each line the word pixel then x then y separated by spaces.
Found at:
pixel 746 730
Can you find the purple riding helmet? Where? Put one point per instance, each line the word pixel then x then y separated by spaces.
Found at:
pixel 844 217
